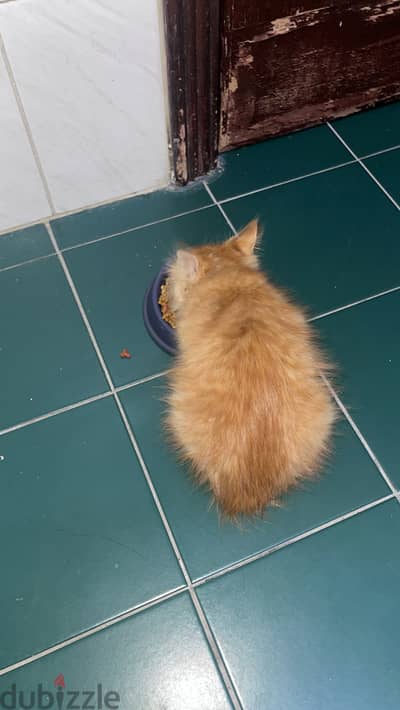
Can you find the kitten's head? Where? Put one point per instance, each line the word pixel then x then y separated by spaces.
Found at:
pixel 191 265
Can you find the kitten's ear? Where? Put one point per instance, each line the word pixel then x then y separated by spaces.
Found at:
pixel 246 240
pixel 188 263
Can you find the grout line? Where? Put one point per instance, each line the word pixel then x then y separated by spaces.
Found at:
pixel 28 261
pixel 149 378
pixel 27 127
pixel 380 152
pixel 291 541
pixel 6 231
pixel 135 229
pixel 80 403
pixel 230 684
pixel 95 629
pixel 355 303
pixel 201 616
pixel 367 170
pixel 288 181
pixel 54 413
pixel 359 435
pixel 221 209
pixel 80 307
pixel 90 206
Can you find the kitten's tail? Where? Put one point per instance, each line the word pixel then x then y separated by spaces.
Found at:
pixel 244 496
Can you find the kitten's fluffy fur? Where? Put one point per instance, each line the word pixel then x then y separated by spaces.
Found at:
pixel 246 405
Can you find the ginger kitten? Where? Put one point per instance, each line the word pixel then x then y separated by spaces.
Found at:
pixel 247 407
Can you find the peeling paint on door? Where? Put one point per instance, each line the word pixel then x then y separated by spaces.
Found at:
pixel 286 66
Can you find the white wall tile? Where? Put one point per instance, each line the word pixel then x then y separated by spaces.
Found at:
pixel 22 197
pixel 89 74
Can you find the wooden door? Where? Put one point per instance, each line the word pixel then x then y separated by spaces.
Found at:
pixel 287 64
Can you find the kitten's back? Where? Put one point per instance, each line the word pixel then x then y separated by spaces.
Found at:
pixel 247 406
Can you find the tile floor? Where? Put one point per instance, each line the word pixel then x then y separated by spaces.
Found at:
pixel 117 577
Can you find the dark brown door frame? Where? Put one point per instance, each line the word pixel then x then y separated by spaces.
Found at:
pixel 230 59
pixel 193 37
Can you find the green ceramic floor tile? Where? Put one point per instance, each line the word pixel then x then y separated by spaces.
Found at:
pixel 316 626
pixel 330 239
pixel 112 277
pixel 157 660
pixel 366 344
pixel 373 130
pixel 349 480
pixel 277 159
pixel 24 244
pixel 84 539
pixel 127 214
pixel 386 167
pixel 46 358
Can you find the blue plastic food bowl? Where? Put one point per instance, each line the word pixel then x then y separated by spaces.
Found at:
pixel 158 329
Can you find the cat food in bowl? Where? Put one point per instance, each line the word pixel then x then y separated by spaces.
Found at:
pixel 159 321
